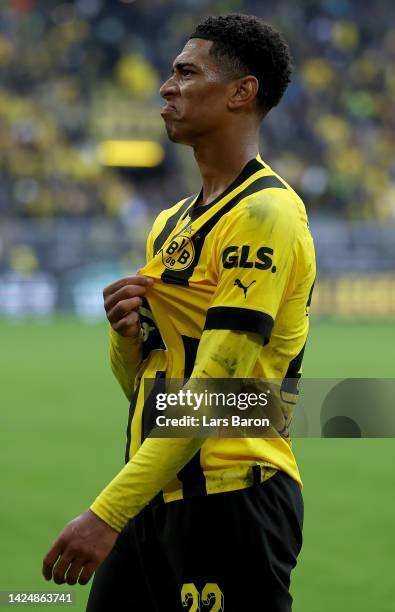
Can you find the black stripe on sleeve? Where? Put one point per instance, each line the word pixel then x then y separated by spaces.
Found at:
pixel 240 319
pixel 192 474
pixel 290 383
pixel 132 409
pixel 149 411
pixel 190 347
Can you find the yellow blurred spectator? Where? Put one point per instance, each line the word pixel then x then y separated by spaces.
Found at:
pixel 333 128
pixel 23 259
pixel 317 74
pixel 137 75
pixel 345 35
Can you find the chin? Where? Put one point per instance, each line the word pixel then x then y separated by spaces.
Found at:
pixel 178 137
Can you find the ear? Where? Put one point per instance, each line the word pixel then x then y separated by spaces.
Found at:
pixel 244 91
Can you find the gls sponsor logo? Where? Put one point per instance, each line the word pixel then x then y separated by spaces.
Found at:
pixel 239 257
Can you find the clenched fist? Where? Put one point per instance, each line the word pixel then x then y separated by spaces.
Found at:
pixel 122 300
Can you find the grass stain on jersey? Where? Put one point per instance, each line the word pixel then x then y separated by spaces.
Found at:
pixel 228 363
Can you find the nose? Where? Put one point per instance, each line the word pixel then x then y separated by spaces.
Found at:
pixel 169 88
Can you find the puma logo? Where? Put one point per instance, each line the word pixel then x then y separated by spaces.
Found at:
pixel 238 283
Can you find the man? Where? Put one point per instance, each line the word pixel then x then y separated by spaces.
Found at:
pixel 224 294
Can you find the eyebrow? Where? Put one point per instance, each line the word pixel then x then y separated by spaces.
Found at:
pixel 182 65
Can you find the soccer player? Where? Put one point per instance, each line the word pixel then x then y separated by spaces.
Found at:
pixel 225 293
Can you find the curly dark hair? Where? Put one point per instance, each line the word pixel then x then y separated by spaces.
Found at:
pixel 245 44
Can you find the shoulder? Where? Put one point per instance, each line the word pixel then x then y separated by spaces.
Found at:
pixel 273 201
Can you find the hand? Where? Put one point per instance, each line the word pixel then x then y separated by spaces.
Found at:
pixel 80 548
pixel 121 302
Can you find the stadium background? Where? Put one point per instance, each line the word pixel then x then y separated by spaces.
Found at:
pixel 76 80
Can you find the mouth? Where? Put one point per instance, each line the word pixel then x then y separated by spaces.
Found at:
pixel 168 109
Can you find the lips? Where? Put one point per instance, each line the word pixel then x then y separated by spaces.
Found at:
pixel 168 109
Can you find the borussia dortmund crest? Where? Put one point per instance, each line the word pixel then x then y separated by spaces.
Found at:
pixel 179 253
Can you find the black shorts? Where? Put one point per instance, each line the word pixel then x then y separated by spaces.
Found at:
pixel 235 550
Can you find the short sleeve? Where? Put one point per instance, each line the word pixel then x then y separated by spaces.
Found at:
pixel 254 257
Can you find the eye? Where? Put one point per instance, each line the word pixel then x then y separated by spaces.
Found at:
pixel 181 71
pixel 186 72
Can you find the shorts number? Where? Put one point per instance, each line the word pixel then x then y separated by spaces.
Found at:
pixel 211 594
pixel 190 595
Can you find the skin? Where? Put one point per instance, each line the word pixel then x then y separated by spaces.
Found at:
pixel 122 300
pixel 218 118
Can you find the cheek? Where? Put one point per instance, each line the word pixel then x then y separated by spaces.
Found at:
pixel 208 101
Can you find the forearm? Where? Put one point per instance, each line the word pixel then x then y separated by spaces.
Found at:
pixel 224 353
pixel 221 354
pixel 125 359
pixel 148 472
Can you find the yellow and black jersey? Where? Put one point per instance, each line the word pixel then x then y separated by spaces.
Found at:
pixel 244 262
pixel 225 275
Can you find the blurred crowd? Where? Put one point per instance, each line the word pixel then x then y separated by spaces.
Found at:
pixel 74 74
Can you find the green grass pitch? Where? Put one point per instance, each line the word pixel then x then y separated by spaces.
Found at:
pixel 62 439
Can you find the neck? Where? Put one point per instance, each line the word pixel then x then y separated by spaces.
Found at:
pixel 222 159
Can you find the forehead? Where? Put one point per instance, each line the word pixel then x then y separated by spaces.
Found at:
pixel 197 51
